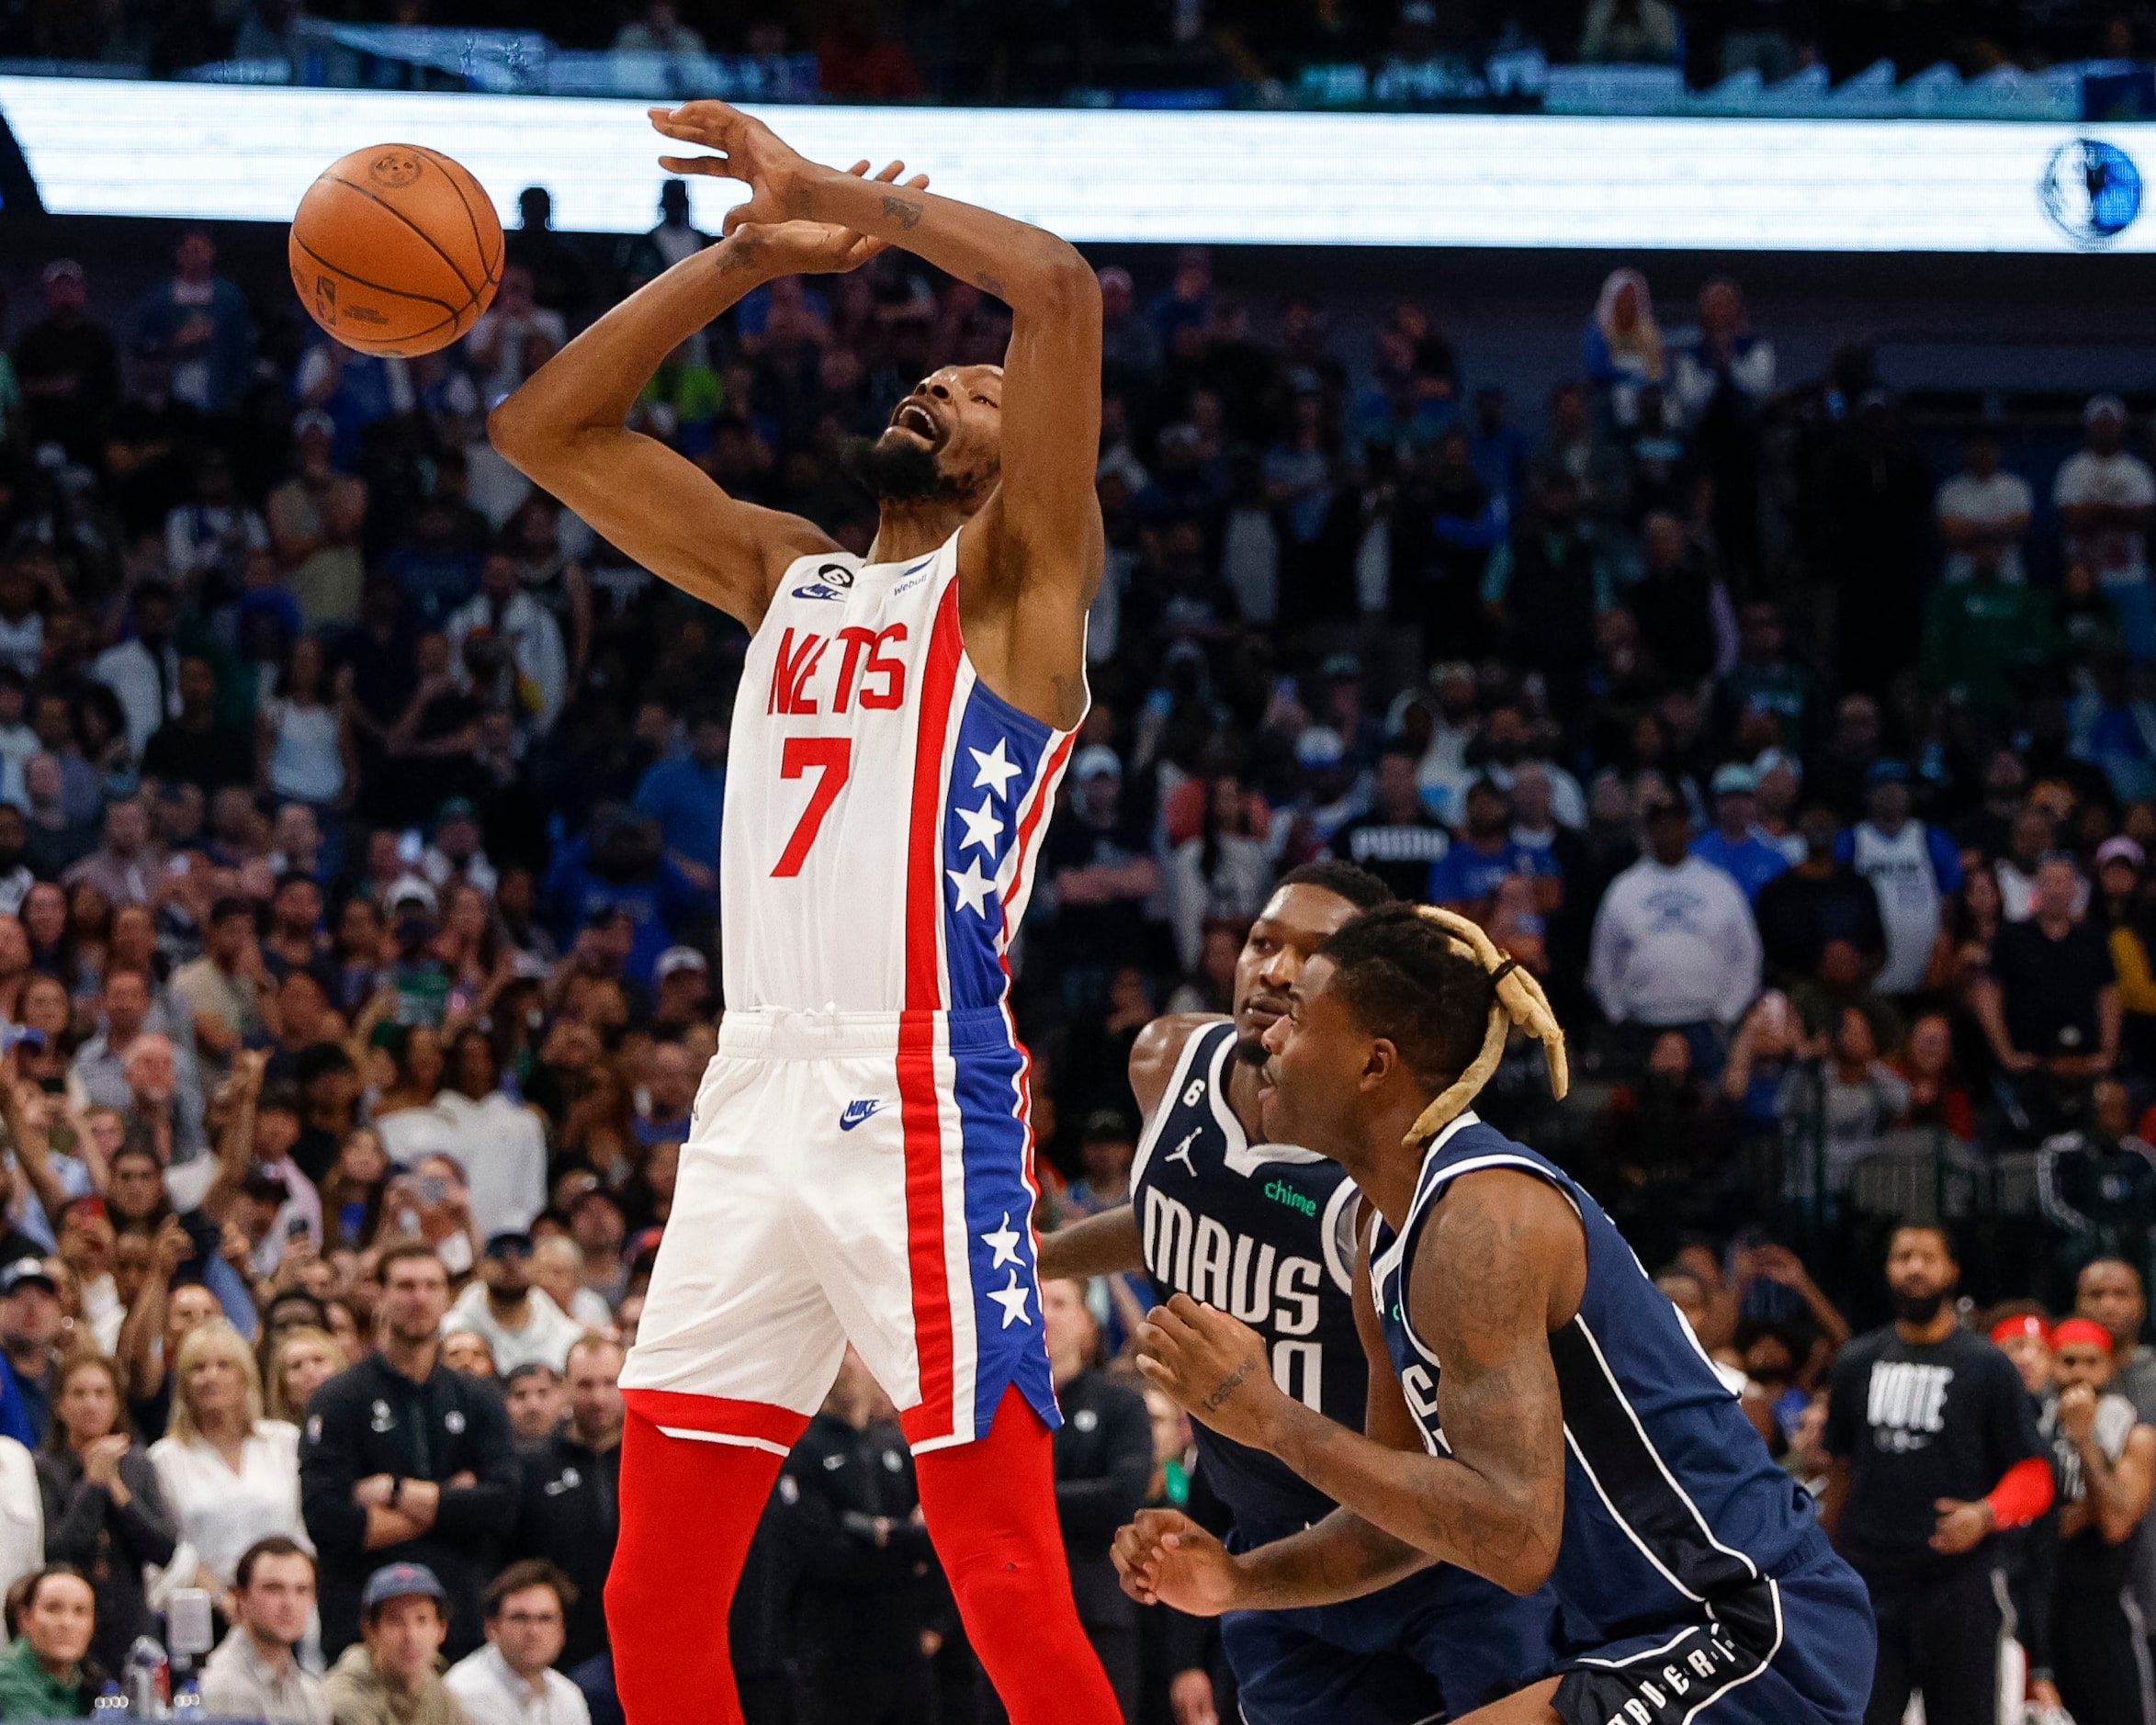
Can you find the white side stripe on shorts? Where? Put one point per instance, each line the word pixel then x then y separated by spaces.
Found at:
pixel 694 1436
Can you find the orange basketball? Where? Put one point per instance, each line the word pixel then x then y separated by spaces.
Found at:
pixel 396 250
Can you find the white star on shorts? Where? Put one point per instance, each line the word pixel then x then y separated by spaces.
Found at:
pixel 982 828
pixel 1003 1241
pixel 1013 1299
pixel 997 769
pixel 974 887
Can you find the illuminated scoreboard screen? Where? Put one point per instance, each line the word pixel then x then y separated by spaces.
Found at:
pixel 236 152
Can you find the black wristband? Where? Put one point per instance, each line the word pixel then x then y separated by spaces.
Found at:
pixel 1503 971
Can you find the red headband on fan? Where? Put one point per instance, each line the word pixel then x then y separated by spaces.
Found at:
pixel 2027 1324
pixel 2081 1330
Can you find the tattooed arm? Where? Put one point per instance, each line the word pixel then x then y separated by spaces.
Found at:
pixel 1165 1556
pixel 564 429
pixel 1032 558
pixel 1500 1264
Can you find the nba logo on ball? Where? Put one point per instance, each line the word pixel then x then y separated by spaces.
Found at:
pixel 2090 190
pixel 394 169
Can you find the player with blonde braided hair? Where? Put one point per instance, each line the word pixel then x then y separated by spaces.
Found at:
pixel 1539 1413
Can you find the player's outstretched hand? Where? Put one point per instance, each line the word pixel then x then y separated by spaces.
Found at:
pixel 1212 1364
pixel 819 248
pixel 748 151
pixel 1165 1558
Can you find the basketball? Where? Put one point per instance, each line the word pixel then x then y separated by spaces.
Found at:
pixel 396 250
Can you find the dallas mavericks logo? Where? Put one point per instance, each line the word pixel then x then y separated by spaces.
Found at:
pixel 2090 190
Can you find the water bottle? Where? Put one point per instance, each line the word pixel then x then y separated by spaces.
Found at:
pixel 147 1679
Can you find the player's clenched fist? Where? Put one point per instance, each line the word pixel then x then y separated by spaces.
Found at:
pixel 1165 1558
pixel 1212 1364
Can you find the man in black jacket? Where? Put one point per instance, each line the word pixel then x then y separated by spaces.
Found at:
pixel 572 1492
pixel 1104 1469
pixel 847 1523
pixel 405 1461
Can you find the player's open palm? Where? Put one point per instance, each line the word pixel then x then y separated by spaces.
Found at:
pixel 748 151
pixel 1165 1558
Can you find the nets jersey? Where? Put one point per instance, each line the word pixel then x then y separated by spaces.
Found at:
pixel 884 806
pixel 1264 1232
pixel 1670 1498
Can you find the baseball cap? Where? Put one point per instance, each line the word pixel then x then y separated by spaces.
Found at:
pixel 1096 762
pixel 401 1581
pixel 408 889
pixel 61 269
pixel 2119 849
pixel 1769 760
pixel 1733 778
pixel 1887 772
pixel 314 420
pixel 2102 406
pixel 456 808
pixel 1320 746
pixel 680 958
pixel 1341 667
pixel 509 1242
pixel 25 1270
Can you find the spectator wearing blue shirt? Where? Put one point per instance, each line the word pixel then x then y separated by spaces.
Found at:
pixel 1466 877
pixel 684 794
pixel 621 869
pixel 1731 844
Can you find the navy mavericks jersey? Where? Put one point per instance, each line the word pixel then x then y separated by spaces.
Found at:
pixel 1670 1498
pixel 1264 1232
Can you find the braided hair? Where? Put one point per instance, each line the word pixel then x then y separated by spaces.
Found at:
pixel 1435 985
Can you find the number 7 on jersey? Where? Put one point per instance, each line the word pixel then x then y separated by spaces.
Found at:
pixel 830 758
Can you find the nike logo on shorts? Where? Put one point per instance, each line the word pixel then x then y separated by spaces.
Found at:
pixel 856 1112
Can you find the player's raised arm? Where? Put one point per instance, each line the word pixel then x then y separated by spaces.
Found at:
pixel 565 429
pixel 1500 1260
pixel 1036 552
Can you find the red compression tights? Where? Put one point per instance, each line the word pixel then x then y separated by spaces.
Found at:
pixel 689 1510
pixel 990 1507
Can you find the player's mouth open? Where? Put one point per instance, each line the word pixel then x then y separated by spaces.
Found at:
pixel 913 417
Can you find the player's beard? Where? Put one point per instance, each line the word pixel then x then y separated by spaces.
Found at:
pixel 897 471
pixel 1918 1308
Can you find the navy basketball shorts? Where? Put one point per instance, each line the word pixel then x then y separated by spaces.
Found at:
pixel 1795 1648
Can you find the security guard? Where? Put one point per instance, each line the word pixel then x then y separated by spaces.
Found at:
pixel 405 1461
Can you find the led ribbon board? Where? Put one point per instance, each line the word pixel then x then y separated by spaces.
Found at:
pixel 233 153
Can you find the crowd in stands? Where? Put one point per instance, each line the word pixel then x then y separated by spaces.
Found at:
pixel 975 49
pixel 359 831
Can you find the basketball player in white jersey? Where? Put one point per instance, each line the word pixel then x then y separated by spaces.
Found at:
pixel 859 1160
